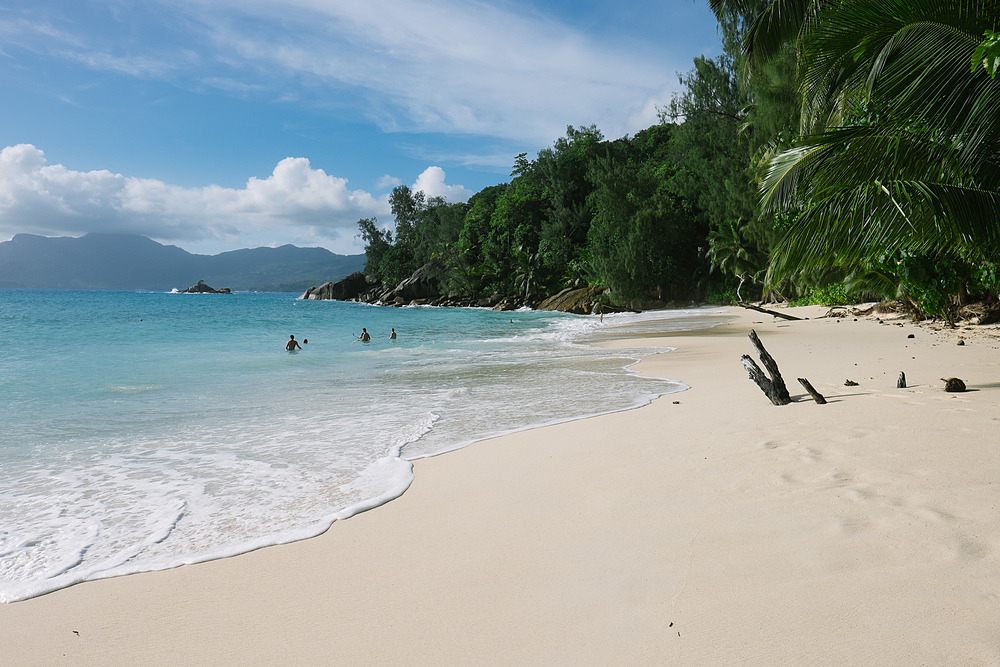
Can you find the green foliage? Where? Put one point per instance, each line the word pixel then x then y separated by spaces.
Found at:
pixel 377 242
pixel 424 229
pixel 834 294
pixel 985 279
pixel 729 252
pixel 723 293
pixel 930 280
pixel 586 209
pixel 902 151
pixel 933 282
pixel 987 54
pixel 631 215
pixel 644 238
pixel 712 163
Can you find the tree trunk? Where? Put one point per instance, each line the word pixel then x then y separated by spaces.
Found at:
pixel 818 397
pixel 774 386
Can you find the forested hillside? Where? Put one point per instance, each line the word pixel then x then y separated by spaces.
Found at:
pixel 834 150
pixel 130 261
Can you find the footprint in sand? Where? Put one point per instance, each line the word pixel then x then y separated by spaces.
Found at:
pixel 853 525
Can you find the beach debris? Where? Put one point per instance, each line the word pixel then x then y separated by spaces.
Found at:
pixel 783 316
pixel 901 382
pixel 953 384
pixel 818 397
pixel 677 402
pixel 980 313
pixel 911 336
pixel 850 383
pixel 961 341
pixel 773 386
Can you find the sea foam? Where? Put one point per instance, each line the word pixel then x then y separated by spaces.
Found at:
pixel 151 431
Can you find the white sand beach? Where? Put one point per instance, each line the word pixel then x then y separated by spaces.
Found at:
pixel 708 528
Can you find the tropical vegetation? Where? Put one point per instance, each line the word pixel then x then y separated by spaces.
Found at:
pixel 834 147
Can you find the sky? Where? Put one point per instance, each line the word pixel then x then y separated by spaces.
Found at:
pixel 215 125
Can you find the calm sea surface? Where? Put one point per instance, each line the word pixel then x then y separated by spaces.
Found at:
pixel 144 430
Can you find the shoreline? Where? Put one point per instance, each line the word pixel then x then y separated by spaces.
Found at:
pixel 715 530
pixel 46 552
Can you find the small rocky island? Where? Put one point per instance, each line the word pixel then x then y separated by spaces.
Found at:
pixel 202 288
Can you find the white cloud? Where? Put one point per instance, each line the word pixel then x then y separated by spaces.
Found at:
pixel 388 181
pixel 451 66
pixel 294 201
pixel 431 183
pixel 646 112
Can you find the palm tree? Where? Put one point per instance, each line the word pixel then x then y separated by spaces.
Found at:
pixel 771 24
pixel 731 254
pixel 524 277
pixel 903 150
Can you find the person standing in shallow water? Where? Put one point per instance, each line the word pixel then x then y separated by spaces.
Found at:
pixel 292 344
pixel 365 336
pixel 392 336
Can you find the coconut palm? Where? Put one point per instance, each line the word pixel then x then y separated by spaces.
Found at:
pixel 904 149
pixel 771 24
pixel 729 252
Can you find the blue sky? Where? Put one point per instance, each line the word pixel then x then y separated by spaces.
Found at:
pixel 223 124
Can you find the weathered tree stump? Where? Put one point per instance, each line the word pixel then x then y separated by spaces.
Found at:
pixel 818 397
pixel 774 386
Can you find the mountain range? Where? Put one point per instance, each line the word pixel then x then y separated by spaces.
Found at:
pixel 130 261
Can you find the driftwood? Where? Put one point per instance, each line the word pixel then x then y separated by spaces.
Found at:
pixel 773 386
pixel 818 397
pixel 783 316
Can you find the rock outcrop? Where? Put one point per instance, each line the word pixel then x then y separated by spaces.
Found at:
pixel 424 288
pixel 425 283
pixel 347 289
pixel 202 288
pixel 580 301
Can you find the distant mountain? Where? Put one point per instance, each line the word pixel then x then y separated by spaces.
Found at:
pixel 126 261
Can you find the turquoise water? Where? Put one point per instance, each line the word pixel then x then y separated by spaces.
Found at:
pixel 146 430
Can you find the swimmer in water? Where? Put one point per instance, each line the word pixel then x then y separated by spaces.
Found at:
pixel 365 336
pixel 292 344
pixel 392 336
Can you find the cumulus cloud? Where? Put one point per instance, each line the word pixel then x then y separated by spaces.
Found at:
pixel 431 183
pixel 295 200
pixel 388 181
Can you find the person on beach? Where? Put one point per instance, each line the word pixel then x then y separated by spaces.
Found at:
pixel 365 336
pixel 292 344
pixel 392 336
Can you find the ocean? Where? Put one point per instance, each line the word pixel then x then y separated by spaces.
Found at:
pixel 145 430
